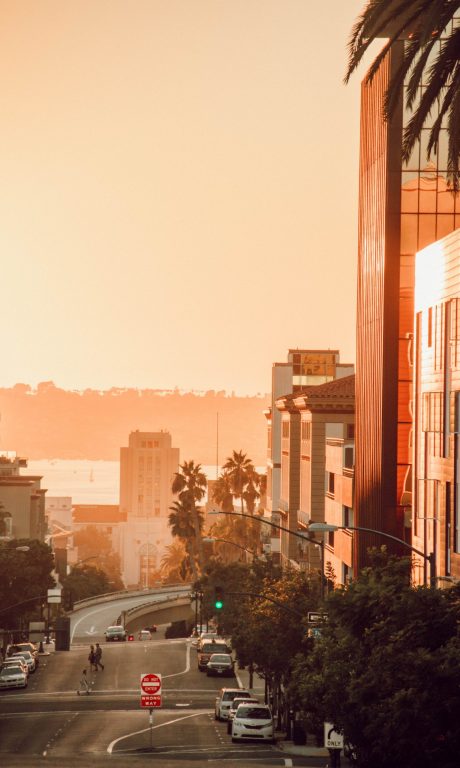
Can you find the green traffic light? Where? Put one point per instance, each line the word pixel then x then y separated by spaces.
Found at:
pixel 218 604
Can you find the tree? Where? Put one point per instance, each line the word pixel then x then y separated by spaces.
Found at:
pixel 183 527
pixel 190 484
pixel 222 492
pixel 422 23
pixel 4 516
pixel 86 581
pixel 175 563
pixel 25 577
pixel 94 544
pixel 239 469
pixel 386 669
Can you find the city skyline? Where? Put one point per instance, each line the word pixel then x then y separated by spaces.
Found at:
pixel 174 175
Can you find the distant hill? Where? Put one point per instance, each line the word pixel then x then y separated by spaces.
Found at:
pixel 53 423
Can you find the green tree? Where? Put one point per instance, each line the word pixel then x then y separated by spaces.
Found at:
pixel 422 23
pixel 190 484
pixel 25 577
pixel 239 469
pixel 387 669
pixel 183 527
pixel 222 492
pixel 86 581
pixel 4 516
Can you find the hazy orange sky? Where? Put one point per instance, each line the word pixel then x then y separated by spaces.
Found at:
pixel 178 197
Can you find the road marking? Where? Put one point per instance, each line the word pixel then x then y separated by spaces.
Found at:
pixel 154 727
pixel 187 666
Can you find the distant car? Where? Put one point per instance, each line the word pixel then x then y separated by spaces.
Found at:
pixel 207 648
pixel 254 722
pixel 13 677
pixel 144 634
pixel 234 706
pixel 224 700
pixel 220 664
pixel 115 633
pixel 152 628
pixel 25 646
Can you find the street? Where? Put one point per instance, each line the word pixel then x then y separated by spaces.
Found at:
pixel 48 722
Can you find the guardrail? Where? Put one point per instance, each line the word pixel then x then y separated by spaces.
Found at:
pixel 122 594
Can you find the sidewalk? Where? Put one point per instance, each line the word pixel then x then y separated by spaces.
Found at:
pixel 307 750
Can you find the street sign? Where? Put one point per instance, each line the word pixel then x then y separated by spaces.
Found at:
pixel 315 617
pixel 151 684
pixel 332 739
pixel 54 595
pixel 150 702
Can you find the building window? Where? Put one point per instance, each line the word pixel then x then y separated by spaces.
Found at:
pixel 330 483
pixel 285 429
pixel 156 444
pixel 330 539
pixel 430 327
pixel 349 457
pixel 348 517
pixel 350 431
pixel 306 429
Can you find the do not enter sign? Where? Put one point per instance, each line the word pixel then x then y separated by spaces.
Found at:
pixel 151 684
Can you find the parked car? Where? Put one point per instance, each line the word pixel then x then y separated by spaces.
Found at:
pixel 115 633
pixel 28 659
pixel 16 663
pixel 12 677
pixel 208 636
pixel 220 664
pixel 234 706
pixel 254 722
pixel 206 650
pixel 26 646
pixel 224 700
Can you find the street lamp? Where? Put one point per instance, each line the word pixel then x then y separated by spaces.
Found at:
pixel 326 527
pixel 299 534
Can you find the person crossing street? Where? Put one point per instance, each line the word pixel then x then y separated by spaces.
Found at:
pixel 97 657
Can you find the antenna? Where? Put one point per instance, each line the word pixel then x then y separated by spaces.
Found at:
pixel 217 445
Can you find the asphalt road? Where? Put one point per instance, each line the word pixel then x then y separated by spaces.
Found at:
pixel 49 723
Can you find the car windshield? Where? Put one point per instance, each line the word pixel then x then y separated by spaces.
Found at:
pixel 253 713
pixel 221 658
pixel 26 654
pixel 236 703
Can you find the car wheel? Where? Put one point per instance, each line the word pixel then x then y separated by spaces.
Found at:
pixel 208 674
pixel 216 716
pixel 235 741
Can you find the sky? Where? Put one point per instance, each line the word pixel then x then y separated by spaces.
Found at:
pixel 178 196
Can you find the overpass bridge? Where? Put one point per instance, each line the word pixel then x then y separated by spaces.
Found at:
pixel 91 617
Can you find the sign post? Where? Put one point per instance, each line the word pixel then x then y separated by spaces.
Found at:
pixel 151 697
pixel 333 741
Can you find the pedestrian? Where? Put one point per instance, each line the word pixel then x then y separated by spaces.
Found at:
pixel 98 657
pixel 84 684
pixel 92 659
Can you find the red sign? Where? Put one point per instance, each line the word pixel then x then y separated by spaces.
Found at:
pixel 151 684
pixel 149 701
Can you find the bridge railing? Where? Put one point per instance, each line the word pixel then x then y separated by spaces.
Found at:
pixel 124 593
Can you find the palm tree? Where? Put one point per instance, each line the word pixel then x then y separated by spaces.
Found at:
pixel 239 469
pixel 175 563
pixel 222 492
pixel 4 516
pixel 182 526
pixel 190 485
pixel 422 24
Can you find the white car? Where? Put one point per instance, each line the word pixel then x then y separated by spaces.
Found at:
pixel 253 722
pixel 234 706
pixel 224 701
pixel 27 657
pixel 144 634
pixel 16 663
pixel 13 677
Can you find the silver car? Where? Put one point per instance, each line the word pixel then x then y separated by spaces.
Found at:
pixel 220 664
pixel 13 677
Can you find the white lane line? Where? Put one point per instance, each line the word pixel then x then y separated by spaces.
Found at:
pixel 154 727
pixel 187 665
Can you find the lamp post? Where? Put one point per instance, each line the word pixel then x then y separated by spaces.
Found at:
pixel 430 559
pixel 299 534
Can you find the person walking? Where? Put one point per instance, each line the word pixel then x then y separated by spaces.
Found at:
pixel 98 657
pixel 84 684
pixel 92 659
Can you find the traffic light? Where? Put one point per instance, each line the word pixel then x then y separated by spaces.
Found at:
pixel 218 598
